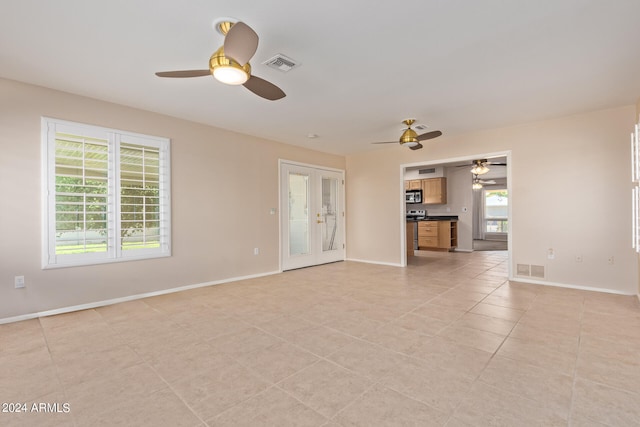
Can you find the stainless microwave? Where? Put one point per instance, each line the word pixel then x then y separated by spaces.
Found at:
pixel 413 196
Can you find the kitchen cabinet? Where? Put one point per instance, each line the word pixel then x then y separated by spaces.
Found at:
pixel 413 184
pixel 434 191
pixel 437 235
pixel 410 233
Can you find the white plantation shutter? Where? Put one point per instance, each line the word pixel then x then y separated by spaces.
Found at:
pixel 106 194
pixel 143 203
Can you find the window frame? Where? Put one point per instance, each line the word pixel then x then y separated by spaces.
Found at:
pixel 114 253
pixel 494 218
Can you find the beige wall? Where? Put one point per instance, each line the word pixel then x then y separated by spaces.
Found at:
pixel 569 191
pixel 223 185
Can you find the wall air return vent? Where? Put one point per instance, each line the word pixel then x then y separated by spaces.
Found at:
pixel 523 270
pixel 282 63
pixel 537 271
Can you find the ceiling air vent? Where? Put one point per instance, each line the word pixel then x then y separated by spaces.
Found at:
pixel 282 63
pixel 430 170
pixel 420 127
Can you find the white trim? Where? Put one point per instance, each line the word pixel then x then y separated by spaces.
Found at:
pixel 390 264
pixel 94 128
pixel 281 220
pixel 19 318
pixel 403 219
pixel 131 298
pixel 114 138
pixel 566 285
pixel 98 261
pixel 467 251
pixel 307 165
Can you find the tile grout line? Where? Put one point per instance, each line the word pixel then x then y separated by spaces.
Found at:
pixel 55 364
pixel 575 368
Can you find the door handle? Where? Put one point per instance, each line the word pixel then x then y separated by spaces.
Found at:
pixel 320 222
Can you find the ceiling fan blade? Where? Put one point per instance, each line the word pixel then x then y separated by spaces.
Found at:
pixel 185 73
pixel 429 135
pixel 240 43
pixel 386 142
pixel 416 147
pixel 496 164
pixel 263 88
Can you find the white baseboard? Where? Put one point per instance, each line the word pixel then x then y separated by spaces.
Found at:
pixel 463 250
pixel 391 264
pixel 129 298
pixel 566 285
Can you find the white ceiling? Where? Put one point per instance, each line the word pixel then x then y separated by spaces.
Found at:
pixel 455 65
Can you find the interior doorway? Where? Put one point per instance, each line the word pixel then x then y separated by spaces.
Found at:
pixel 311 215
pixel 460 203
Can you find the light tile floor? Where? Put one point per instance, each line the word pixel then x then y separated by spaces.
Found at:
pixel 446 341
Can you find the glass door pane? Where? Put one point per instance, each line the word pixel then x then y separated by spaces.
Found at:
pixel 329 214
pixel 298 213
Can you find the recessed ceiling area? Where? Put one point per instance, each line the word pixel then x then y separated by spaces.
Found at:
pixel 455 66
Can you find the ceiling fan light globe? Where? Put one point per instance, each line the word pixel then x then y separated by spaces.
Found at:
pixel 476 186
pixel 228 71
pixel 479 169
pixel 230 75
pixel 409 144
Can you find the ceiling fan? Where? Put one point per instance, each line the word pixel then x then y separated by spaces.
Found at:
pixel 410 138
pixel 230 63
pixel 479 167
pixel 478 183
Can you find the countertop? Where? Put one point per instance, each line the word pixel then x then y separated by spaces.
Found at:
pixel 436 218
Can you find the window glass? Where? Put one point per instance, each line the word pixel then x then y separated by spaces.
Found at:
pixel 496 212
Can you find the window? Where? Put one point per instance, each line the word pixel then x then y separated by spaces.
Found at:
pixel 496 211
pixel 106 195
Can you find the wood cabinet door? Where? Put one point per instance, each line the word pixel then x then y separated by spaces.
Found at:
pixel 444 234
pixel 415 184
pixel 434 191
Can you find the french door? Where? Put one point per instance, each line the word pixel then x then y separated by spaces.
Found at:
pixel 311 215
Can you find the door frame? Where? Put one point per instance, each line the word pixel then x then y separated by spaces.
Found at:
pixel 469 158
pixel 280 213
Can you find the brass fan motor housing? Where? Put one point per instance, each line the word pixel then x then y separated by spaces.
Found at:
pixel 409 135
pixel 219 60
pixel 224 26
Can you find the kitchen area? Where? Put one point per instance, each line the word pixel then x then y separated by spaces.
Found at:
pixel 426 230
pixel 448 206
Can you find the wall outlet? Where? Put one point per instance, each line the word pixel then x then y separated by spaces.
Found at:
pixel 256 251
pixel 550 253
pixel 18 282
pixel 272 211
pixel 578 258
